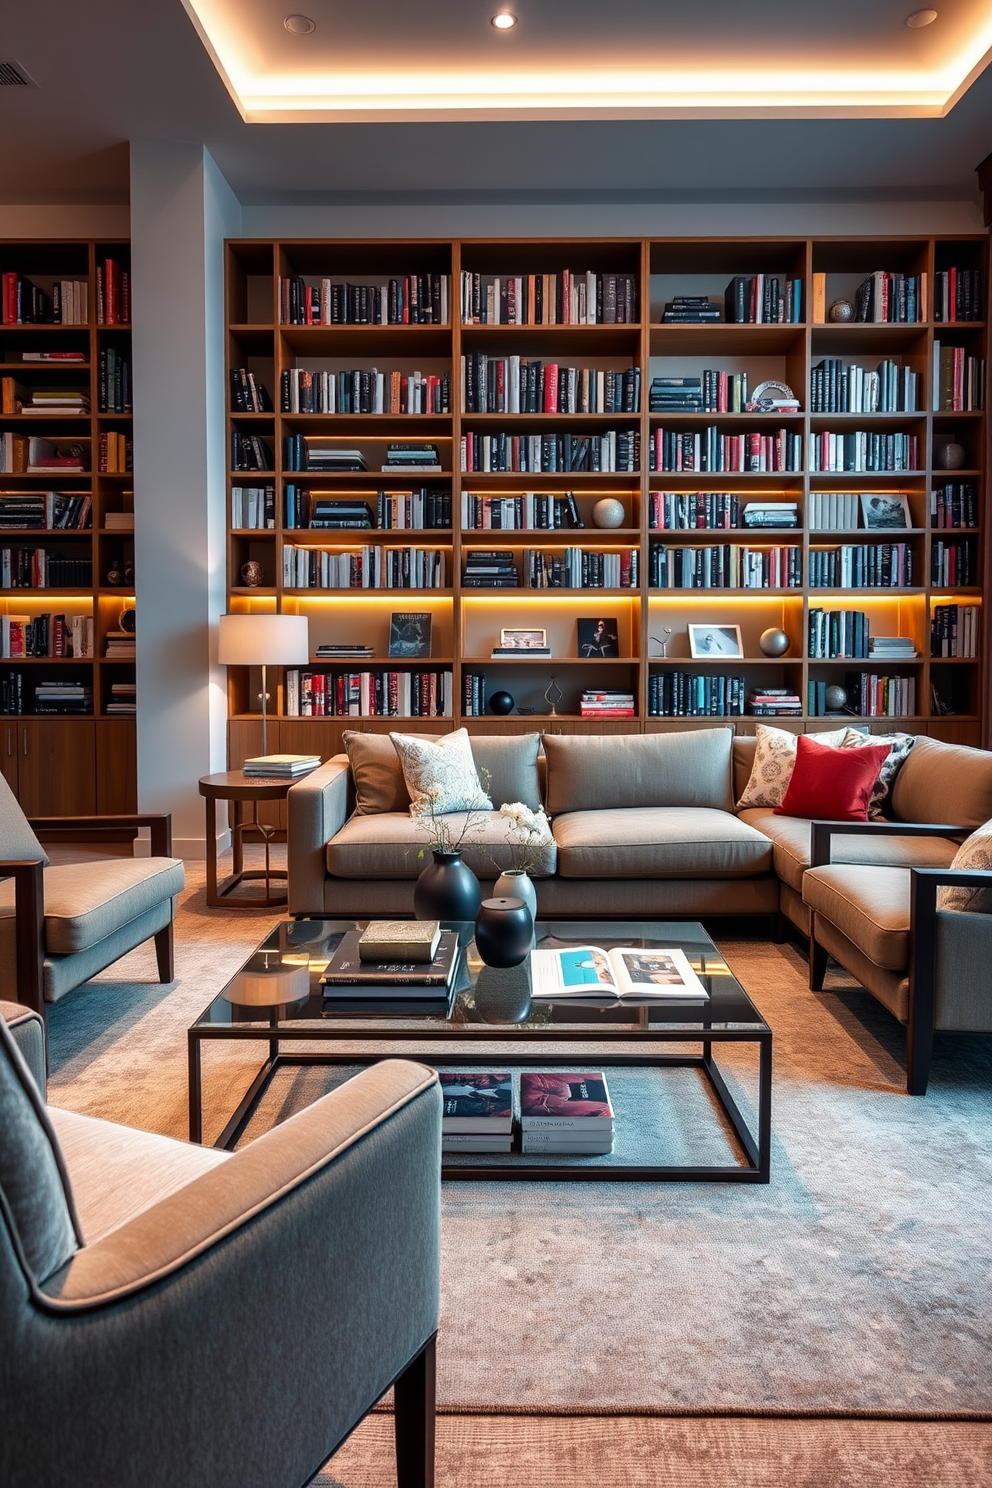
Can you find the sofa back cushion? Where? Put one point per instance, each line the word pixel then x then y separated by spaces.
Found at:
pixel 375 769
pixel 594 772
pixel 744 748
pixel 17 840
pixel 511 761
pixel 944 783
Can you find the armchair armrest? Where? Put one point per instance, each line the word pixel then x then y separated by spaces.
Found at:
pixel 160 823
pixel 822 833
pixel 317 808
pixel 923 920
pixel 29 929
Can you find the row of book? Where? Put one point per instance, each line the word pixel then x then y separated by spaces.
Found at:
pixel 369 694
pixel 38 568
pixel 953 505
pixel 26 303
pixel 563 1111
pixel 324 456
pixel 115 453
pixel 248 393
pixel 891 299
pixel 490 568
pixel 711 450
pixel 760 299
pixel 694 510
pixel 836 388
pixel 529 511
pixel 50 510
pixel 862 566
pixel 679 694
pixel 113 293
pixel 410 299
pixel 958 380
pixel 399 511
pixel 726 566
pixel 580 568
pixel 954 565
pixel 514 385
pixel 843 511
pixel 713 391
pixel 251 452
pixel 957 295
pixel 874 695
pixel 364 390
pixel 113 382
pixel 474 692
pixel 863 450
pixel 954 630
pixel 547 454
pixel 253 507
pixel 565 298
pixel 371 567
pixel 46 635
pixel 836 633
pixel 51 402
pixel 22 454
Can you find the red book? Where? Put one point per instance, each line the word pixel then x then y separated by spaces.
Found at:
pixel 551 387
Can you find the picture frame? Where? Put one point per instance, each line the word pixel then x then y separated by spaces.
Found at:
pixel 528 638
pixel 409 634
pixel 882 511
pixel 714 642
pixel 598 638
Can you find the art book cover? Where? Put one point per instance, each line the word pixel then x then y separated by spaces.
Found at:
pixel 553 1098
pixel 410 633
pixel 476 1100
pixel 634 973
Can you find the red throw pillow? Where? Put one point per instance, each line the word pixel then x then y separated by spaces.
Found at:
pixel 832 784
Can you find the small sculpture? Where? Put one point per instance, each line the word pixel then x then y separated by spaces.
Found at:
pixel 501 702
pixel 552 697
pixel 114 574
pixel 835 698
pixel 662 641
pixel 608 512
pixel 774 642
pixel 841 311
pixel 251 573
pixel 951 456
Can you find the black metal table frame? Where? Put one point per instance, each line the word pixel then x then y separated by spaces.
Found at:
pixel 755 1146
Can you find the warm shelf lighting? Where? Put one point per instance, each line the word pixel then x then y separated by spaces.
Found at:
pixel 504 20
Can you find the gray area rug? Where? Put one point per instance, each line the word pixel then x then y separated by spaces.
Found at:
pixel 858 1281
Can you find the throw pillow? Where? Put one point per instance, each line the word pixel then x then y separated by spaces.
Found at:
pixel 832 784
pixel 32 1173
pixel 975 852
pixel 440 774
pixel 376 771
pixel 774 761
pixel 899 747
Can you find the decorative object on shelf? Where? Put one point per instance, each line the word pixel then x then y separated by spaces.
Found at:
pixel 447 889
pixel 885 511
pixel 504 930
pixel 715 640
pixel 526 712
pixel 835 698
pixel 128 573
pixel 598 638
pixel 553 696
pixel 531 639
pixel 772 397
pixel 951 456
pixel 127 619
pixel 115 574
pixel 251 575
pixel 774 642
pixel 410 634
pixel 263 640
pixel 840 312
pixel 608 513
pixel 662 641
pixel 501 703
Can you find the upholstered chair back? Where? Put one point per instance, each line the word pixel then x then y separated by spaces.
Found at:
pixel 17 841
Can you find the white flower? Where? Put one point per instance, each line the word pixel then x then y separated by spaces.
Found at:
pixel 527 829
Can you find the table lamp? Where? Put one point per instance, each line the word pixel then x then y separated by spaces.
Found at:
pixel 263 640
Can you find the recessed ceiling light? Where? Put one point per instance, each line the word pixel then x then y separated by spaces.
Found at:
pixel 299 25
pixel 921 18
pixel 504 20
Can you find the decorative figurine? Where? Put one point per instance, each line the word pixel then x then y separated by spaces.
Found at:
pixel 608 513
pixel 251 573
pixel 501 702
pixel 841 311
pixel 114 575
pixel 663 640
pixel 774 642
pixel 553 697
pixel 951 456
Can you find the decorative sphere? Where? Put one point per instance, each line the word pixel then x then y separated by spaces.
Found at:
pixel 835 697
pixel 774 642
pixel 841 311
pixel 608 512
pixel 951 456
pixel 500 702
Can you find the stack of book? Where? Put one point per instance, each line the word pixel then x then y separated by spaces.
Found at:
pixel 282 766
pixel 123 700
pixel 892 648
pixel 328 512
pixel 120 645
pixel 477 1114
pixel 60 401
pixel 419 458
pixel 681 394
pixel 774 702
pixel 565 1112
pixel 330 459
pixel 490 568
pixel 63 697
pixel 691 310
pixel 393 967
pixel 771 514
pixel 330 650
pixel 606 703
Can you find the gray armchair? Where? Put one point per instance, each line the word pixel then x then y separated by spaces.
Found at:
pixel 227 1319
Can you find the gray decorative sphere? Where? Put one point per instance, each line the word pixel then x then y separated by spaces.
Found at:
pixel 951 456
pixel 774 642
pixel 835 697
pixel 500 702
pixel 841 311
pixel 608 512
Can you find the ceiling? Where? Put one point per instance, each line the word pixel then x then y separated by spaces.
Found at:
pixel 109 71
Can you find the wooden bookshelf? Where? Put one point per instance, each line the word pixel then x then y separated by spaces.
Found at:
pixel 467 620
pixel 72 764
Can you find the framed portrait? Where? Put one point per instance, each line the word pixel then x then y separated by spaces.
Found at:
pixel 599 638
pixel 523 640
pixel 885 511
pixel 715 641
pixel 410 633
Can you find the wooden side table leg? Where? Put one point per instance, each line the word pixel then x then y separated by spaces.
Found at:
pixel 212 851
pixel 237 837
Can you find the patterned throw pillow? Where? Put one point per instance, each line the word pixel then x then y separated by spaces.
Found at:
pixel 774 762
pixel 974 852
pixel 440 774
pixel 899 747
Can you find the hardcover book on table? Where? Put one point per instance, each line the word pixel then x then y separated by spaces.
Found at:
pixel 390 941
pixel 625 973
pixel 347 969
pixel 476 1101
pixel 565 1101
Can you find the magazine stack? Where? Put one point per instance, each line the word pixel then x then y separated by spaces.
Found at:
pixel 562 1111
pixel 477 1111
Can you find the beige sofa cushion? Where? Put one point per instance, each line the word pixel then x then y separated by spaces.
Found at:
pixel 388 846
pixel 944 782
pixel 791 838
pixel 869 905
pixel 83 907
pixel 511 761
pixel 375 770
pixel 659 842
pixel 592 772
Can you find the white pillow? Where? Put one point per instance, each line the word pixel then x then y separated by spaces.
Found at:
pixel 899 747
pixel 974 852
pixel 774 762
pixel 440 774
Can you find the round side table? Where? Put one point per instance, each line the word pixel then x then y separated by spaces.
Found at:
pixel 237 788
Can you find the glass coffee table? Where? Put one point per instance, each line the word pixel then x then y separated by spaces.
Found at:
pixel 276 1000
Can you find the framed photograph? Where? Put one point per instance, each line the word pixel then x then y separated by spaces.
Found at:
pixel 523 640
pixel 598 638
pixel 410 634
pixel 715 640
pixel 885 511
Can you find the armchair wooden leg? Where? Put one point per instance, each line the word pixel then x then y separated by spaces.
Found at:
pixel 414 1395
pixel 919 1053
pixel 165 954
pixel 817 961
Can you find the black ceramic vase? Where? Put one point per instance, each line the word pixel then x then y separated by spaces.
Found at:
pixel 503 931
pixel 447 889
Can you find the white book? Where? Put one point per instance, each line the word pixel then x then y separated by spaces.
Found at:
pixel 636 973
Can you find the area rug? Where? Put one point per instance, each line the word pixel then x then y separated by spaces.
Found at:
pixel 857 1282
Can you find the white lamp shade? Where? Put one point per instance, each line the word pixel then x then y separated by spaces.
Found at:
pixel 263 640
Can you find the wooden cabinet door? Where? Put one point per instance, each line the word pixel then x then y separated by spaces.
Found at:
pixel 9 738
pixel 56 764
pixel 116 766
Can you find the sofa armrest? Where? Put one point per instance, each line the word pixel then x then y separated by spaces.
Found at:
pixel 822 833
pixel 317 808
pixel 27 1029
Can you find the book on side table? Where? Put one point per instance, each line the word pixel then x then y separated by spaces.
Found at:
pixel 287 766
pixel 625 973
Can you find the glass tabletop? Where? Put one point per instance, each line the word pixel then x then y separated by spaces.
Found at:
pixel 279 986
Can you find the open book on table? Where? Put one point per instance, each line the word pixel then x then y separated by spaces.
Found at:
pixel 634 973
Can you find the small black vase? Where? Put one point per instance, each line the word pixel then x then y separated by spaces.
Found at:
pixel 447 889
pixel 503 931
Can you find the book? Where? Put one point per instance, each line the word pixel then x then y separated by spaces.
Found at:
pixel 592 1144
pixel 475 1142
pixel 625 972
pixel 410 634
pixel 479 1101
pixel 281 764
pixel 564 1103
pixel 347 969
pixel 388 941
